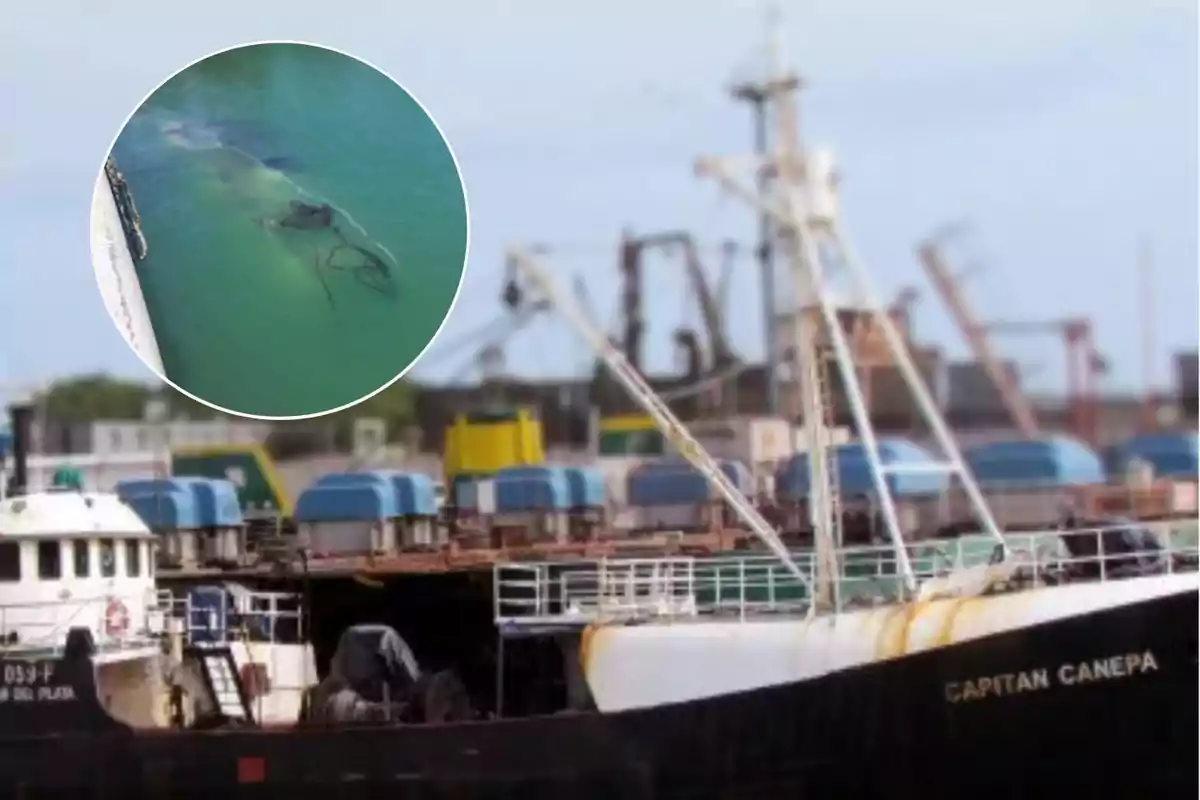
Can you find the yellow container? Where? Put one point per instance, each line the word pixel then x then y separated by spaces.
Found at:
pixel 486 442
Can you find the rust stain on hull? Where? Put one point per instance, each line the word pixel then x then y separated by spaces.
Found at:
pixel 899 635
pixel 586 642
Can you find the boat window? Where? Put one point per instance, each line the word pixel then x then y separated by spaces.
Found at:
pixel 133 558
pixel 82 551
pixel 108 559
pixel 10 562
pixel 49 557
pixel 148 553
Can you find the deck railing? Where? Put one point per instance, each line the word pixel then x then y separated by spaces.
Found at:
pixel 579 592
pixel 43 626
pixel 251 615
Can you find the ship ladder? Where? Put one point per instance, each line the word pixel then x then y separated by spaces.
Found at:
pixel 832 568
pixel 223 683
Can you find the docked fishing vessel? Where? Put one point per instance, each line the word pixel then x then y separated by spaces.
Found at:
pixel 95 577
pixel 78 578
pixel 698 677
pixel 1063 662
pixel 83 620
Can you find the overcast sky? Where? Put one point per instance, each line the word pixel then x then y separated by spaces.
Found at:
pixel 1066 131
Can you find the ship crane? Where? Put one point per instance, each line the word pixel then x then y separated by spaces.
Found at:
pixel 1084 363
pixel 488 342
pixel 1085 366
pixel 1019 409
pixel 804 206
pixel 720 354
pixel 718 346
pixel 652 404
pixel 632 250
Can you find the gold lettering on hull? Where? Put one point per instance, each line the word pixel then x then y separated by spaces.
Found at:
pixel 1115 667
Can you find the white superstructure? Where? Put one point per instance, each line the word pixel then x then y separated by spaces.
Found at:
pixel 78 559
pixel 71 560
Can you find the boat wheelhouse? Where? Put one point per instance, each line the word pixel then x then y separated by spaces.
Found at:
pixel 75 560
pixel 80 567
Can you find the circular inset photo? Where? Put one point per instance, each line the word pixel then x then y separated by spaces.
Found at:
pixel 279 230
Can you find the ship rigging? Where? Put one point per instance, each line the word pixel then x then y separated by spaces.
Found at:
pixel 802 204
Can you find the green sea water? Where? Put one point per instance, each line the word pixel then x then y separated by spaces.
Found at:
pixel 267 319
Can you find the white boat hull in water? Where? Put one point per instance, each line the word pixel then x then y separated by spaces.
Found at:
pixel 656 663
pixel 117 276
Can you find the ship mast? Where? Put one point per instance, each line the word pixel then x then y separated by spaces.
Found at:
pixel 758 94
pixel 811 361
pixel 802 205
pixel 802 202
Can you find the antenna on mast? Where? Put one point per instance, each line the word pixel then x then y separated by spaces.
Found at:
pixel 759 94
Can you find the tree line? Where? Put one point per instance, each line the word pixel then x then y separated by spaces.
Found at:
pixel 98 396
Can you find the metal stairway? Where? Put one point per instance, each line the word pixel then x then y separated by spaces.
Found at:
pixel 220 676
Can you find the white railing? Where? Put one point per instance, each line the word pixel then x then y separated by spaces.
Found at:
pixel 44 625
pixel 579 592
pixel 200 621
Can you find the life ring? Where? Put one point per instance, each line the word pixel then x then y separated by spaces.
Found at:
pixel 116 618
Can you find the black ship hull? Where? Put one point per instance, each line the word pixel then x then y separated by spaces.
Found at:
pixel 1099 706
